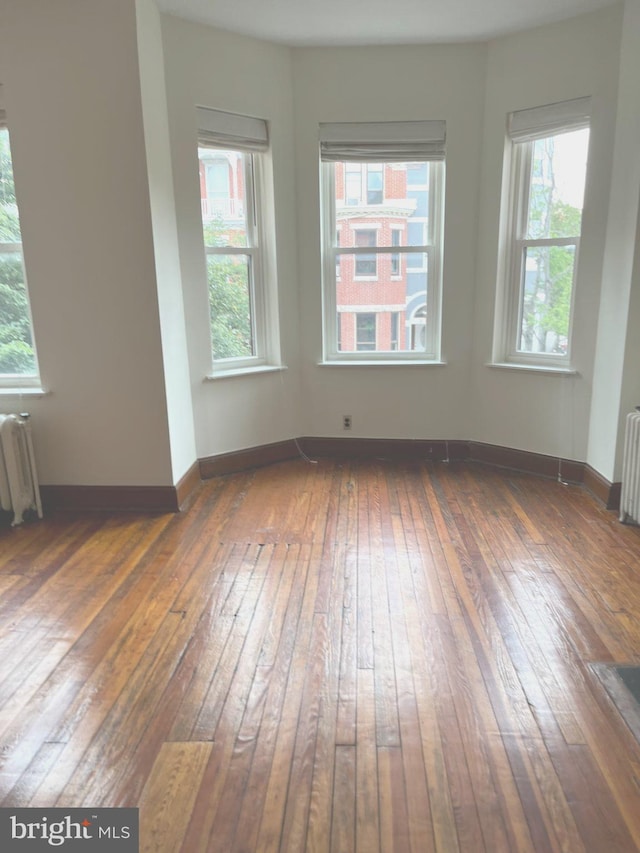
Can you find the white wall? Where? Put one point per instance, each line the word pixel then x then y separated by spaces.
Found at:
pixel 69 71
pixel 617 373
pixel 516 408
pixel 106 301
pixel 165 239
pixel 215 69
pixel 392 84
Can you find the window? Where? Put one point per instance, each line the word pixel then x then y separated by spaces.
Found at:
pixel 366 265
pixel 396 236
pixel 363 184
pixel 548 148
pixel 365 332
pixel 230 152
pixel 395 330
pixel 374 183
pixel 389 256
pixel 18 365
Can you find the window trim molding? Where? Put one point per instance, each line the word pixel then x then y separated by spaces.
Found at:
pixel 509 296
pixel 432 250
pixel 258 201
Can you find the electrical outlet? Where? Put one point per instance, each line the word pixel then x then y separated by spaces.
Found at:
pixel 346 422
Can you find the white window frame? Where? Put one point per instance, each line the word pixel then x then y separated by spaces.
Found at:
pixel 525 127
pixel 17 381
pixel 385 142
pixel 248 137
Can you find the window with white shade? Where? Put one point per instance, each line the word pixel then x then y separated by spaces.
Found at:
pixel 18 363
pixel 241 292
pixel 548 148
pixel 382 198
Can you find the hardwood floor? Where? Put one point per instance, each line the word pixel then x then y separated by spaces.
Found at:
pixel 330 657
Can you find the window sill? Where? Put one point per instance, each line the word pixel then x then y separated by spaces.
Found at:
pixel 534 368
pixel 245 371
pixel 25 391
pixel 383 363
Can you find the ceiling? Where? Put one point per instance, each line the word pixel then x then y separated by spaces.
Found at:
pixel 362 22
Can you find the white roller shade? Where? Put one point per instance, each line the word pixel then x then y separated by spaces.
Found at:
pixel 217 129
pixel 375 142
pixel 535 123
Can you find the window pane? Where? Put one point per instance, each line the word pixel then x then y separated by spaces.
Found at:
pixel 395 297
pixel 375 177
pixel 416 234
pixel 395 259
pixel 365 332
pixel 365 265
pixel 366 277
pixel 546 299
pixel 417 174
pixel 222 197
pixel 230 306
pixel 418 329
pixel 386 251
pixel 16 342
pixel 352 173
pixel 17 355
pixel 358 187
pixel 558 170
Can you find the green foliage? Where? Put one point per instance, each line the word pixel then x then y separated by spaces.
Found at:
pixel 229 304
pixel 547 297
pixel 16 346
pixel 229 307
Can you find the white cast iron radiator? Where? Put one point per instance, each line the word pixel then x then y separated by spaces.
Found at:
pixel 19 489
pixel 630 496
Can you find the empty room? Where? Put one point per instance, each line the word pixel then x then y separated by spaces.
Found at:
pixel 319 451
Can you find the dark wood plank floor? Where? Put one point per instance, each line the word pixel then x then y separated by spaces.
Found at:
pixel 333 657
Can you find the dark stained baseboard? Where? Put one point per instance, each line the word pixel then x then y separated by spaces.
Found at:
pixel 552 467
pixel 172 498
pixel 122 498
pixel 418 449
pixel 253 457
pixel 110 498
pixel 188 483
pixel 608 493
pixel 424 450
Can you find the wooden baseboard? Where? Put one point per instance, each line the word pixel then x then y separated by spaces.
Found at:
pixel 253 457
pixel 552 467
pixel 420 450
pixel 188 484
pixel 601 488
pixel 110 498
pixel 172 498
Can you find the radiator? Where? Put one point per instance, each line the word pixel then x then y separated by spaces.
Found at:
pixel 630 495
pixel 19 490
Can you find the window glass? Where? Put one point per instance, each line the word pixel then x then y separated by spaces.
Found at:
pixel 231 272
pixel 395 272
pixel 17 352
pixel 547 248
